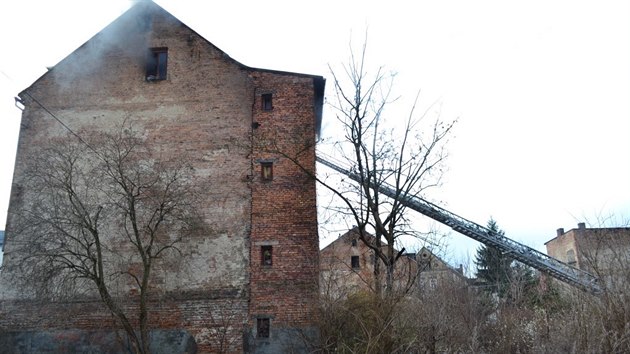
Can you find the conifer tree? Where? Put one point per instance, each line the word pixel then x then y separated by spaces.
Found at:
pixel 493 267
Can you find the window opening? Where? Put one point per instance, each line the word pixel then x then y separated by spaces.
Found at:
pixel 354 261
pixel 571 258
pixel 266 255
pixel 354 242
pixel 266 171
pixel 262 327
pixel 156 64
pixel 432 283
pixel 267 104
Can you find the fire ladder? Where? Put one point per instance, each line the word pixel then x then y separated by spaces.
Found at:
pixel 527 255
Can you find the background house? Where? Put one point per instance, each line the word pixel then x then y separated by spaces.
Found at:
pixel 603 252
pixel 253 277
pixel 347 266
pixel 435 272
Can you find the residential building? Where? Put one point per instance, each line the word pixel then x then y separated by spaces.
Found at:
pixel 347 266
pixel 603 252
pixel 435 272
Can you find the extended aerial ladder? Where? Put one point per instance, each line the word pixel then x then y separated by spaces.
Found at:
pixel 525 254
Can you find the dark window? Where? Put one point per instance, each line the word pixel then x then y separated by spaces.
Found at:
pixel 267 104
pixel 262 327
pixel 354 243
pixel 156 64
pixel 266 255
pixel 354 261
pixel 266 171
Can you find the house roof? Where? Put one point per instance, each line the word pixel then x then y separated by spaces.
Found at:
pixel 353 233
pixel 350 234
pixel 426 254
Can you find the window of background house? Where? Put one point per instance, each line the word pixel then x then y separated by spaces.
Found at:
pixel 571 258
pixel 266 171
pixel 354 261
pixel 266 255
pixel 354 242
pixel 267 104
pixel 432 283
pixel 156 64
pixel 428 265
pixel 262 327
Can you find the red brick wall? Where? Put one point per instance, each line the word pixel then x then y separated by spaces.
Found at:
pixel 284 209
pixel 203 317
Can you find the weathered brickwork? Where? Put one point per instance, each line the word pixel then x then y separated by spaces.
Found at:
pixel 283 212
pixel 208 111
pixel 211 321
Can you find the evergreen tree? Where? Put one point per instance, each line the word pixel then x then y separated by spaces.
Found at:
pixel 493 267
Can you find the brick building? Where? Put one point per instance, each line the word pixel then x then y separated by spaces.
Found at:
pixel 435 272
pixel 258 265
pixel 347 266
pixel 603 252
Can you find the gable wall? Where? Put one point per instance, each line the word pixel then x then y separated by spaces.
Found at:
pixel 339 278
pixel 559 246
pixel 202 111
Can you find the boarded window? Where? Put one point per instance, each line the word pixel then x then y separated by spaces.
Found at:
pixel 354 261
pixel 263 327
pixel 156 64
pixel 266 171
pixel 266 255
pixel 267 104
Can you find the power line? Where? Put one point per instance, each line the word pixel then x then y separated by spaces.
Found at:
pixel 62 123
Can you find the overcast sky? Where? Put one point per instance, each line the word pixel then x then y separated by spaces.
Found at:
pixel 541 88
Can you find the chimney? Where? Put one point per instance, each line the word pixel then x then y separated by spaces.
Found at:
pixel 581 226
pixel 560 232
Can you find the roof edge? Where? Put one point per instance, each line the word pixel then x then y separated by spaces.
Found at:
pixel 136 7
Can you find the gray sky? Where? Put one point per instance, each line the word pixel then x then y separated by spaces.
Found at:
pixel 541 88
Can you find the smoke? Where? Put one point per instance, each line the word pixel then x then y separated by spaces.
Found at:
pixel 122 44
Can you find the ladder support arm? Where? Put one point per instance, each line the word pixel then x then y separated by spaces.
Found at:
pixel 515 250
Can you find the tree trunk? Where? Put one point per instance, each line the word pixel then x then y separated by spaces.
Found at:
pixel 377 275
pixel 390 278
pixel 144 295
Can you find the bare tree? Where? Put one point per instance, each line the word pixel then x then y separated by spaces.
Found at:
pixel 100 214
pixel 405 154
pixel 606 253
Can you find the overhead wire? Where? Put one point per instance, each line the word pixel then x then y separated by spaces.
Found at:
pixel 62 123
